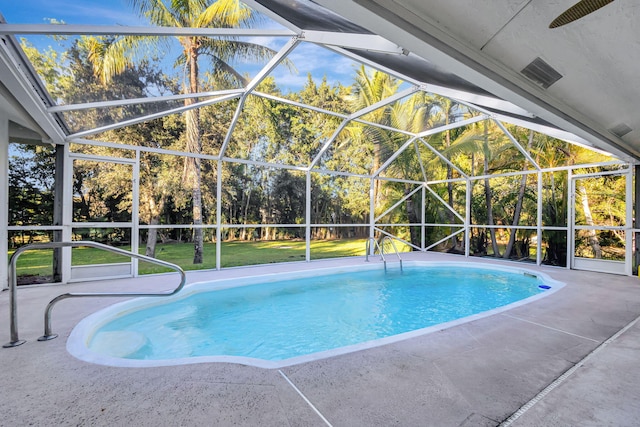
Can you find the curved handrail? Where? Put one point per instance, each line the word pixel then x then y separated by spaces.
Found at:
pixel 381 249
pixel 15 341
pixel 393 245
pixel 375 245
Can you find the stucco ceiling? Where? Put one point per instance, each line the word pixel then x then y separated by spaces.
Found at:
pixel 489 43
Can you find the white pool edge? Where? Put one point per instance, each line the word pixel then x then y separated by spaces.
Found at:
pixel 77 343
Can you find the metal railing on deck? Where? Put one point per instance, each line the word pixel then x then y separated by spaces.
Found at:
pixel 13 283
pixel 381 247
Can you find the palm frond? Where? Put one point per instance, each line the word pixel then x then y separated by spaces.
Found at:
pixel 112 56
pixel 157 12
pixel 469 142
pixel 226 14
pixel 220 67
pixel 230 51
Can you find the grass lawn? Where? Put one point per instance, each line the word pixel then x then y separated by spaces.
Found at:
pixel 36 264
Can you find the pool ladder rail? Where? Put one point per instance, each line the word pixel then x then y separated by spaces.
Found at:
pixel 381 247
pixel 13 299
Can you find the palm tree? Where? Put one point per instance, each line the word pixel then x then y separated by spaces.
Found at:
pixel 519 202
pixel 497 152
pixel 448 110
pixel 369 89
pixel 411 114
pixel 112 56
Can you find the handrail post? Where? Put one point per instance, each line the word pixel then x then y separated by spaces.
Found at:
pixel 13 302
pixel 366 249
pixel 375 244
pixel 15 341
pixel 395 249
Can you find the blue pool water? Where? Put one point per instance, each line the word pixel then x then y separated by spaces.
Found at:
pixel 290 318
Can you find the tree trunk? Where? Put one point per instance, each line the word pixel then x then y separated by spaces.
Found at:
pixel 414 232
pixel 152 235
pixel 376 166
pixel 591 234
pixel 516 217
pixel 194 145
pixel 447 141
pixel 519 203
pixel 246 212
pixel 152 238
pixel 492 231
pixel 487 195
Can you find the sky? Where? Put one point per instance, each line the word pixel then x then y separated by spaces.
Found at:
pixel 106 12
pixel 307 58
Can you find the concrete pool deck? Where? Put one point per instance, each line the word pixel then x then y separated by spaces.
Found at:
pixel 476 374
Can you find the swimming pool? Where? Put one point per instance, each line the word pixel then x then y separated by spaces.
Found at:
pixel 283 319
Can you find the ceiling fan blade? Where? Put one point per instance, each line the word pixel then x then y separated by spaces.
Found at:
pixel 578 10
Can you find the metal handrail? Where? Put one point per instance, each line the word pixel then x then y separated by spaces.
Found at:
pixel 381 250
pixel 375 245
pixel 395 249
pixel 13 302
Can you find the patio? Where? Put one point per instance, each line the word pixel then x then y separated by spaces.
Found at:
pixel 475 374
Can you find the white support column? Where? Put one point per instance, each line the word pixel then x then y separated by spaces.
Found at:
pixel 4 200
pixel 424 219
pixel 570 216
pixel 307 215
pixel 467 220
pixel 539 222
pixel 372 212
pixel 219 216
pixel 67 213
pixel 636 209
pixel 58 210
pixel 628 233
pixel 135 213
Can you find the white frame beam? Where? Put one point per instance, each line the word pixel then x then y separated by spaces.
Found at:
pixel 146 100
pixel 123 30
pixel 151 117
pixel 273 63
pixel 370 42
pixel 399 202
pixel 4 199
pixel 357 114
pixel 515 142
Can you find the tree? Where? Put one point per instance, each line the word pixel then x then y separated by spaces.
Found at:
pixel 550 152
pixel 591 234
pixel 412 114
pixel 31 197
pixel 519 203
pixel 72 82
pixel 368 89
pixel 448 110
pixel 112 56
pixel 491 152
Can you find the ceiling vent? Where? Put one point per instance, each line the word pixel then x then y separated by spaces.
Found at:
pixel 620 130
pixel 541 73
